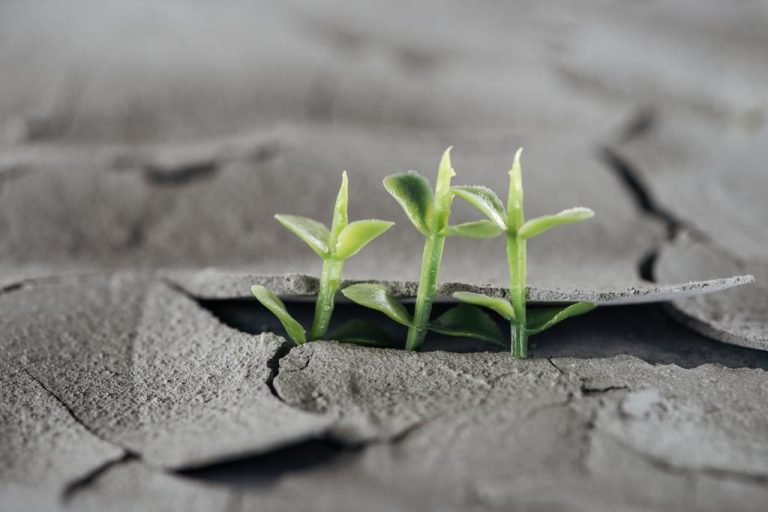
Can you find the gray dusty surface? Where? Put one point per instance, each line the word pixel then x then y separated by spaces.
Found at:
pixel 68 215
pixel 144 148
pixel 709 177
pixel 143 367
pixel 482 428
pixel 44 449
pixel 736 316
pixel 485 432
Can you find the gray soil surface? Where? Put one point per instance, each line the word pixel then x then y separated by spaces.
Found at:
pixel 144 148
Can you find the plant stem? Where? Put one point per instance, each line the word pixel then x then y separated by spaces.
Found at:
pixel 516 257
pixel 330 278
pixel 425 296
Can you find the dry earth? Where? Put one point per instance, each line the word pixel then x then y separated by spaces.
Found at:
pixel 144 148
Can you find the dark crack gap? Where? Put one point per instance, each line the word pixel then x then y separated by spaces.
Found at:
pixel 639 191
pixel 195 169
pixel 72 413
pixel 181 174
pixel 265 470
pixel 274 367
pixel 645 331
pixel 273 364
pixel 13 287
pixel 647 264
pixel 588 391
pixel 92 476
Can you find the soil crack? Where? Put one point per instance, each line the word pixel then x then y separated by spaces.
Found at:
pixel 74 416
pixel 274 368
pixel 89 478
pixel 669 467
pixel 587 391
pixel 641 194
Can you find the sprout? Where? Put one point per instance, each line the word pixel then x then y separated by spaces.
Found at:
pixel 512 223
pixel 334 246
pixel 430 215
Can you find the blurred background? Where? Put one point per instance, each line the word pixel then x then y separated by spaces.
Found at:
pixel 138 133
pixel 138 72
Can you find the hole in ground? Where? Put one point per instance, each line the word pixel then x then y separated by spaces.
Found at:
pixel 644 331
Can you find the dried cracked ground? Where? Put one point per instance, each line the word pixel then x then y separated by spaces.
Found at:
pixel 144 149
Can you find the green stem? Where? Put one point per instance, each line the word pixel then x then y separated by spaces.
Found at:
pixel 330 278
pixel 425 296
pixel 516 257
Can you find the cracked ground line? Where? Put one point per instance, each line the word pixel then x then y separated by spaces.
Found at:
pixel 667 467
pixel 659 463
pixel 640 192
pixel 625 169
pixel 219 155
pixel 81 482
pixel 74 416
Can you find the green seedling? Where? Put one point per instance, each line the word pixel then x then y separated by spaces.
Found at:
pixel 343 240
pixel 512 223
pixel 430 214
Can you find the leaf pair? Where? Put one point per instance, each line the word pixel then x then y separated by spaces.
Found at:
pixel 344 239
pixel 511 220
pixel 334 245
pixel 463 320
pixel 537 319
pixel 486 200
pixel 430 212
pixel 358 332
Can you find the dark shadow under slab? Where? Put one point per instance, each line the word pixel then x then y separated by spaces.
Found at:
pixel 643 331
pixel 265 470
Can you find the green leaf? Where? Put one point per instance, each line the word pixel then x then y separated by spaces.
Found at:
pixel 414 194
pixel 499 305
pixel 362 332
pixel 357 235
pixel 477 229
pixel 539 225
pixel 515 199
pixel 340 217
pixel 540 319
pixel 273 303
pixel 470 322
pixel 485 200
pixel 378 297
pixel 314 233
pixel 445 172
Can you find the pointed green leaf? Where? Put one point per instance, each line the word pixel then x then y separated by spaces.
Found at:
pixel 485 200
pixel 478 229
pixel 414 194
pixel 499 305
pixel 540 319
pixel 539 225
pixel 357 235
pixel 340 217
pixel 445 172
pixel 362 332
pixel 273 303
pixel 515 199
pixel 378 297
pixel 470 322
pixel 314 233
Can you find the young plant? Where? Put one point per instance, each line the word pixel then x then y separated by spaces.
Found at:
pixel 430 214
pixel 334 246
pixel 511 221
